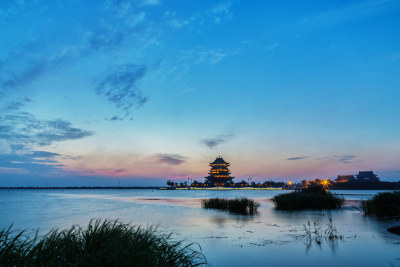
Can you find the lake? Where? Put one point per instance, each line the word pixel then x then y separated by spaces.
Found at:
pixel 274 238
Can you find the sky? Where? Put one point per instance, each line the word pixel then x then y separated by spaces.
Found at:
pixel 136 92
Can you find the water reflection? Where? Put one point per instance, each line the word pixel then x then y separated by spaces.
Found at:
pixel 316 234
pixel 229 218
pixel 270 237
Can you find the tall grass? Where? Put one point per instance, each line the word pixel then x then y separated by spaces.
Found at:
pixel 101 243
pixel 382 204
pixel 317 234
pixel 315 198
pixel 15 247
pixel 394 230
pixel 237 205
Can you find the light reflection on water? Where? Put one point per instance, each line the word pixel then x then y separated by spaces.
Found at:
pixel 269 238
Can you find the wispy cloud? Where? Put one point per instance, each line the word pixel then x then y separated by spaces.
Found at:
pixel 44 154
pixel 71 157
pixel 210 56
pixel 347 158
pixel 176 23
pixel 15 79
pixel 120 86
pixel 213 15
pixel 35 162
pixel 342 159
pixel 20 132
pixel 188 90
pixel 114 118
pixel 220 12
pixel 24 129
pixel 361 9
pixel 273 46
pixel 5 147
pixel 297 158
pixel 216 141
pixel 10 9
pixel 17 104
pixel 170 159
pixel 119 24
pixel 59 130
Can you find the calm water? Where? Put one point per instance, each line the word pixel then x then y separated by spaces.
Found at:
pixel 268 238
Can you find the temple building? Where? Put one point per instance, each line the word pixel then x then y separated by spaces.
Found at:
pixel 367 176
pixel 344 178
pixel 219 174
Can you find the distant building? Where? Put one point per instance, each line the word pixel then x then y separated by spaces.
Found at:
pixel 242 184
pixel 367 176
pixel 219 174
pixel 344 178
pixel 305 183
pixel 197 184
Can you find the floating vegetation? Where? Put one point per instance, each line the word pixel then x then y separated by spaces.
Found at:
pixel 382 204
pixel 237 205
pixel 101 243
pixel 315 197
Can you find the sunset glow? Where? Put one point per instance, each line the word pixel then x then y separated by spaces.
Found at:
pixel 138 92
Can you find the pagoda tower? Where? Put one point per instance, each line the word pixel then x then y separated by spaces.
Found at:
pixel 219 173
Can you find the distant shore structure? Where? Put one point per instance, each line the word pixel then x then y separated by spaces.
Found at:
pixel 362 176
pixel 344 178
pixel 367 176
pixel 219 174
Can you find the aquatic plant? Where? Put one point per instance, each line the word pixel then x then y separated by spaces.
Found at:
pixel 15 247
pixel 101 243
pixel 237 205
pixel 382 204
pixel 331 232
pixel 317 234
pixel 315 197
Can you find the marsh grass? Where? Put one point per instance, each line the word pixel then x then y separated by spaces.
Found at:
pixel 382 204
pixel 315 232
pixel 15 247
pixel 315 198
pixel 237 205
pixel 101 243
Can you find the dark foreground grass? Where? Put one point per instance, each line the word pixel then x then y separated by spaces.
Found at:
pixel 382 204
pixel 394 230
pixel 316 198
pixel 102 243
pixel 238 205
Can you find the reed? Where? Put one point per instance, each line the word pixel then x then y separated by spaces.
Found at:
pixel 315 198
pixel 101 243
pixel 237 205
pixel 317 234
pixel 382 204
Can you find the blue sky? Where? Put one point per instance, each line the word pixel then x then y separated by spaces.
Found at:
pixel 95 92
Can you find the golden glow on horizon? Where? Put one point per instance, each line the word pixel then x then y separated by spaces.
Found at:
pixel 131 165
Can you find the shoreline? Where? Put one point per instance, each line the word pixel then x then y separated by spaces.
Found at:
pixel 165 188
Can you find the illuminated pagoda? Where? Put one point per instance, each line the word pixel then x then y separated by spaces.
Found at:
pixel 219 174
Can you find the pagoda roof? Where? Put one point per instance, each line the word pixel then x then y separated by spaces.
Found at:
pixel 219 160
pixel 366 173
pixel 345 176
